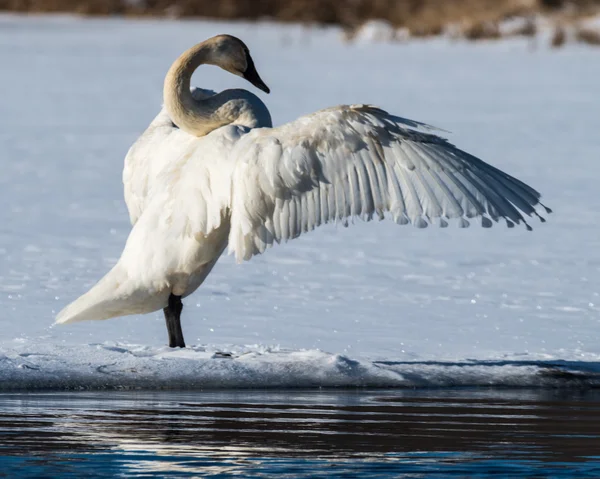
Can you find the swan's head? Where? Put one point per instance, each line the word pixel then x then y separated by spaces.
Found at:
pixel 232 54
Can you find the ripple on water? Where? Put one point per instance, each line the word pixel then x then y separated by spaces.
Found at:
pixel 469 433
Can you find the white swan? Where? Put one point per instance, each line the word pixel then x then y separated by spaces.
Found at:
pixel 224 176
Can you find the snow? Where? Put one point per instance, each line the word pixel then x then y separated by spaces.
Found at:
pixel 377 31
pixel 123 366
pixel 439 307
pixel 592 22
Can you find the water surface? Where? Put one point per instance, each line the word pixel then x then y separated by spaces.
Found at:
pixel 421 433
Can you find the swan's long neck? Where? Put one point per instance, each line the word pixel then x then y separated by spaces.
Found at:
pixel 196 117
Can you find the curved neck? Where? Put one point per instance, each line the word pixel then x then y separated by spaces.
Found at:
pixel 196 117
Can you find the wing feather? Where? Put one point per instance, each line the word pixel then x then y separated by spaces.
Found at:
pixel 359 161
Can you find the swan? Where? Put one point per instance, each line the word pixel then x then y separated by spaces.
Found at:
pixel 211 171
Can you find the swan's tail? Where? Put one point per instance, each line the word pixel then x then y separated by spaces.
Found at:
pixel 112 296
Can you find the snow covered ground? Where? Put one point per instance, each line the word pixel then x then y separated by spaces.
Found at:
pixel 434 307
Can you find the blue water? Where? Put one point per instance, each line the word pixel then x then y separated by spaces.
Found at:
pixel 297 434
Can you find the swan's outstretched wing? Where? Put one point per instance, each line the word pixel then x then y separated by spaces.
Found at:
pixel 360 161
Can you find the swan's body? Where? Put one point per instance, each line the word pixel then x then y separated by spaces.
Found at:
pixel 159 145
pixel 223 176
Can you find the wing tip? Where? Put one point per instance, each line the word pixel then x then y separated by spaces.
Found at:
pixel 462 221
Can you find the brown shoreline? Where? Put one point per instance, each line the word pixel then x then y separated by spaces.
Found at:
pixel 470 19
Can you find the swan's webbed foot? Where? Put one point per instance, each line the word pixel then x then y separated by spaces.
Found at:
pixel 173 319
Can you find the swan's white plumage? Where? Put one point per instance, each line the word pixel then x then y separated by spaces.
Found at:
pixel 250 188
pixel 360 161
pixel 161 141
pixel 179 235
pixel 192 191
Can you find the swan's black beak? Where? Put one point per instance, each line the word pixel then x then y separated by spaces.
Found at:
pixel 252 75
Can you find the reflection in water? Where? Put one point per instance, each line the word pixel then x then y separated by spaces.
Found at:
pixel 301 434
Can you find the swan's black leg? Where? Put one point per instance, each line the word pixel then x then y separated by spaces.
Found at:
pixel 172 316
